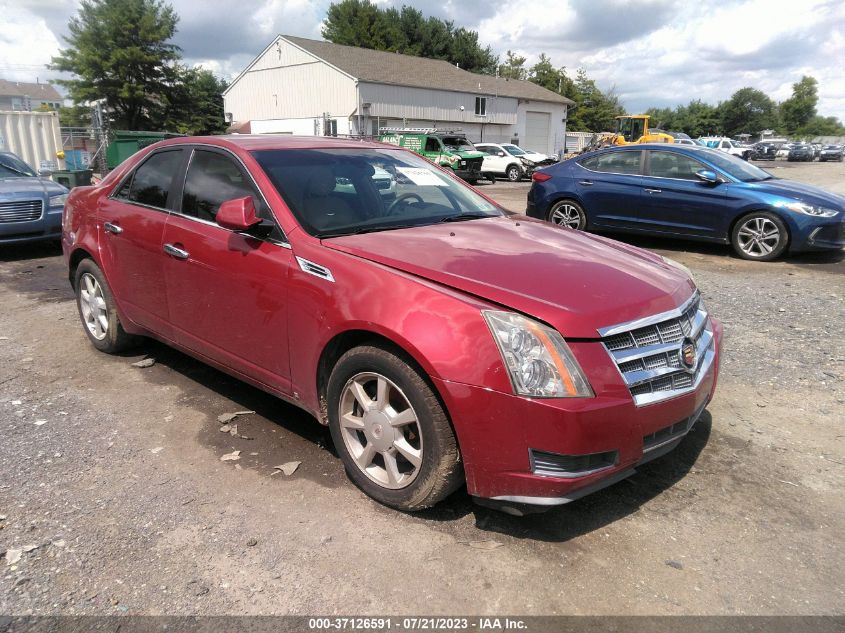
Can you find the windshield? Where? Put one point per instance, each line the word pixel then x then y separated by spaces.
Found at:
pixel 336 192
pixel 458 144
pixel 733 166
pixel 12 166
pixel 513 150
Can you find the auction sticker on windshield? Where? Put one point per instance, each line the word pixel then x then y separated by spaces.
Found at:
pixel 422 177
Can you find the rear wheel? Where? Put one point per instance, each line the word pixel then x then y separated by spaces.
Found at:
pixel 760 236
pixel 513 173
pixel 568 213
pixel 391 431
pixel 97 310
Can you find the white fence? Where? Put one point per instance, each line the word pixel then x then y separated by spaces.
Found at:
pixel 34 136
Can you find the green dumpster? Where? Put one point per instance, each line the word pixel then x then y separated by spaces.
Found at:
pixel 71 178
pixel 124 143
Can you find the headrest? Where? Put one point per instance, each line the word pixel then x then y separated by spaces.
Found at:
pixel 321 181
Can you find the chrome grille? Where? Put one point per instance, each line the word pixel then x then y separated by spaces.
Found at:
pixel 648 351
pixel 21 210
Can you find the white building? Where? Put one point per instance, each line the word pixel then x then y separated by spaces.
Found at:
pixel 301 86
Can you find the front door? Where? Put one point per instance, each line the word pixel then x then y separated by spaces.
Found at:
pixel 676 201
pixel 131 225
pixel 227 291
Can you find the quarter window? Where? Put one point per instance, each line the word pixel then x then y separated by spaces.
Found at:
pixel 211 180
pixel 671 165
pixel 152 180
pixel 625 162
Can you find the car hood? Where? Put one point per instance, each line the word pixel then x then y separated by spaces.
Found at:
pixel 26 185
pixel 574 281
pixel 800 191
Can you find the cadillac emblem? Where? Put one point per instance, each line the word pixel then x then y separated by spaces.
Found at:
pixel 687 354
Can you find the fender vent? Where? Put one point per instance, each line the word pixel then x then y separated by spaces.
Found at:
pixel 315 269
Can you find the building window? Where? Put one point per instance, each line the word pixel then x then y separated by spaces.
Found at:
pixel 481 106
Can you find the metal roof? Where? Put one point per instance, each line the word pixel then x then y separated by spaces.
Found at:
pixel 383 67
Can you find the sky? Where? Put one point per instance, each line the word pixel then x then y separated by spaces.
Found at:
pixel 651 52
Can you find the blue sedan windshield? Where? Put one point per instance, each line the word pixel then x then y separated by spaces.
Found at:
pixel 11 165
pixel 736 167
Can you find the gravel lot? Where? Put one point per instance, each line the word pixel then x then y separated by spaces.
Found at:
pixel 113 474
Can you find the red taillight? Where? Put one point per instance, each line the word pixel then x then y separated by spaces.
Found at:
pixel 539 176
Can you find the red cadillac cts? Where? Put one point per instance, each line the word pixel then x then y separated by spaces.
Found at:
pixel 442 340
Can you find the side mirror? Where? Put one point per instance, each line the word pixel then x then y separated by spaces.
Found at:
pixel 710 177
pixel 500 154
pixel 237 214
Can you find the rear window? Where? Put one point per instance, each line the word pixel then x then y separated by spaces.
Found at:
pixel 624 162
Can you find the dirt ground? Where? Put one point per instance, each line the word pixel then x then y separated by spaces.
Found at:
pixel 114 474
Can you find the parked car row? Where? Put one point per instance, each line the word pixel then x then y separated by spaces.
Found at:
pixel 692 193
pixel 771 150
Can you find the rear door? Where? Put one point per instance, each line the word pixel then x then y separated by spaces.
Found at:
pixel 227 291
pixel 609 185
pixel 132 222
pixel 676 201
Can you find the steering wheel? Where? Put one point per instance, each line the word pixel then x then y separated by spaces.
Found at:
pixel 402 198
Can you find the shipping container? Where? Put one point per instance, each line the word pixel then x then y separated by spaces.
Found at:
pixel 35 137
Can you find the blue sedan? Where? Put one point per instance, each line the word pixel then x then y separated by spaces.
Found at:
pixel 30 207
pixel 692 193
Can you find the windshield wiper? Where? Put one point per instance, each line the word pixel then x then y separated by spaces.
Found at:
pixel 460 217
pixel 365 229
pixel 17 171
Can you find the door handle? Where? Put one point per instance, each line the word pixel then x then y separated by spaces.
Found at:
pixel 113 228
pixel 586 183
pixel 653 190
pixel 175 251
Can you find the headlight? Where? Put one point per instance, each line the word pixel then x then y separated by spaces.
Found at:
pixel 58 201
pixel 538 360
pixel 808 209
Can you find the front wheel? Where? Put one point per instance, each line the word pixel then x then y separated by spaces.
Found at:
pixel 391 431
pixel 568 213
pixel 760 236
pixel 98 311
pixel 513 173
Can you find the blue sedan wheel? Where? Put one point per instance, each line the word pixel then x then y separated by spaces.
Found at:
pixel 568 213
pixel 760 236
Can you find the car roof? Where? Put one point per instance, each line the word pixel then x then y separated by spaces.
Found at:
pixel 251 142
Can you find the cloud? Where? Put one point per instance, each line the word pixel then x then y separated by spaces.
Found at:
pixel 655 52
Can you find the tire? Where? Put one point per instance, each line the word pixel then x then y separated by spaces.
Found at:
pixel 420 432
pixel 568 213
pixel 514 173
pixel 490 177
pixel 746 233
pixel 97 310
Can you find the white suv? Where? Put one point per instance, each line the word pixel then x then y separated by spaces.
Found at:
pixel 726 145
pixel 509 161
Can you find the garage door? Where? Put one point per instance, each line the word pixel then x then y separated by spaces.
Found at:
pixel 537 131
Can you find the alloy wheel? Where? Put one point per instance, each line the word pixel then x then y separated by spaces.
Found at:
pixel 566 214
pixel 93 306
pixel 380 430
pixel 758 237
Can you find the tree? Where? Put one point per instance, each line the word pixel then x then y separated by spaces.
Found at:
pixel 543 73
pixel 595 111
pixel 800 108
pixel 195 103
pixel 119 50
pixel 75 116
pixel 748 111
pixel 821 126
pixel 363 23
pixel 514 67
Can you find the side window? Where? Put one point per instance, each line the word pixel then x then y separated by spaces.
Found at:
pixel 671 165
pixel 626 162
pixel 123 192
pixel 211 180
pixel 432 145
pixel 152 180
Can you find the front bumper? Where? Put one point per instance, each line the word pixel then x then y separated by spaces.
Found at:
pixel 47 227
pixel 500 434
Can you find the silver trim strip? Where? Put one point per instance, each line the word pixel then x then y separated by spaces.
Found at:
pixel 703 370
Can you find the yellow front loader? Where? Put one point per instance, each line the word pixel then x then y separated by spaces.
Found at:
pixel 630 129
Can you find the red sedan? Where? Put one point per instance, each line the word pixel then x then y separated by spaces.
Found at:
pixel 442 340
